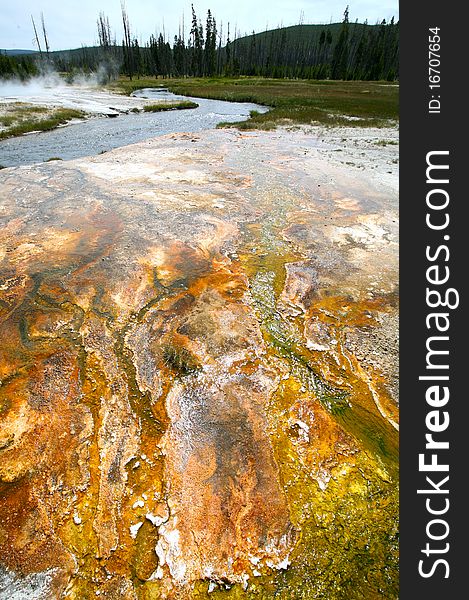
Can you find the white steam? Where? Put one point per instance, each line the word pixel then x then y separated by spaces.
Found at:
pixel 83 93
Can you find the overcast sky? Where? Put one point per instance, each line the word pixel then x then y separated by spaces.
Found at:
pixel 72 23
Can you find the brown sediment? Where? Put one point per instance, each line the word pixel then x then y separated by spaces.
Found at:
pixel 197 394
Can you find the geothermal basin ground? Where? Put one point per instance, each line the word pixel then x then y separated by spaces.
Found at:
pixel 198 369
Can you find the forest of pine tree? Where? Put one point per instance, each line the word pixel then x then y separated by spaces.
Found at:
pixel 344 51
pixel 22 67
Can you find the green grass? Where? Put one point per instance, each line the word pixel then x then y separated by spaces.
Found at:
pixel 29 110
pixel 56 118
pixel 332 103
pixel 7 120
pixel 20 113
pixel 170 106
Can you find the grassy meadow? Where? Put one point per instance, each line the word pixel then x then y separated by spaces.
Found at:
pixel 333 103
pixel 24 119
pixel 162 106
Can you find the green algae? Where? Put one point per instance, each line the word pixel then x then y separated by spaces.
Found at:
pixel 348 542
pixel 284 336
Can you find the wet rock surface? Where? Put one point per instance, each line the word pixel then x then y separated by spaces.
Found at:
pixel 198 371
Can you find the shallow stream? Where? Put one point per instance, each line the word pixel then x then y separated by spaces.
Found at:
pixel 100 134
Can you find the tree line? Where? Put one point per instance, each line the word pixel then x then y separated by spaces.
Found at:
pixel 23 67
pixel 337 51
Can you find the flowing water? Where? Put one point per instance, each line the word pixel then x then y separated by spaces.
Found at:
pixel 99 134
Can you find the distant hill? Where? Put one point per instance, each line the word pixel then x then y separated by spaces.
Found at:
pixel 17 52
pixel 54 53
pixel 335 50
pixel 307 34
pixel 75 51
pixel 298 33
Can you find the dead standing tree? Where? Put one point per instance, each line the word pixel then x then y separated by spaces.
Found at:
pixel 44 32
pixel 127 44
pixel 38 43
pixel 107 48
pixel 43 61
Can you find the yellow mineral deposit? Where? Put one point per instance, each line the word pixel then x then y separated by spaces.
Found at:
pixel 198 368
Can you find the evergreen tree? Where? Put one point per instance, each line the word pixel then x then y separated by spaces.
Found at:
pixel 197 65
pixel 210 44
pixel 179 52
